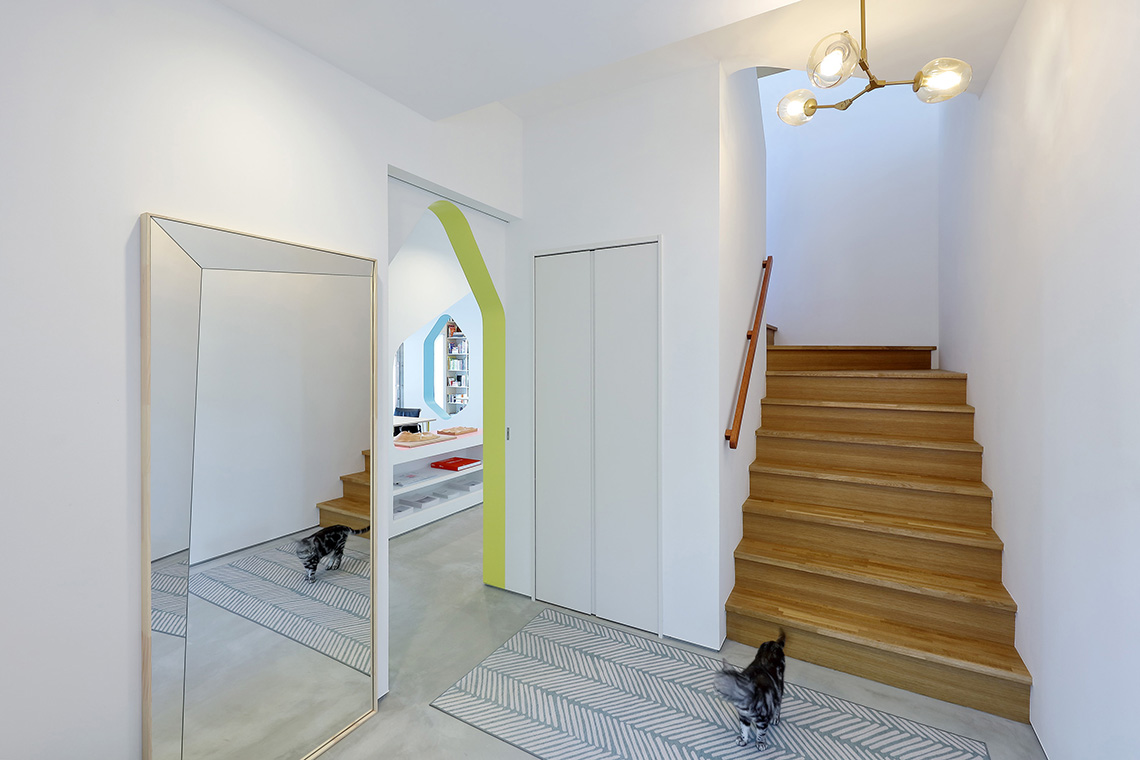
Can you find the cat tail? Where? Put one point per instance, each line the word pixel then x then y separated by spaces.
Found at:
pixel 733 685
pixel 365 529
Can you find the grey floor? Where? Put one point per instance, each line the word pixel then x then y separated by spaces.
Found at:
pixel 444 621
pixel 249 692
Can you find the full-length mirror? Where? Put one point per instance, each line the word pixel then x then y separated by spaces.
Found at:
pixel 258 418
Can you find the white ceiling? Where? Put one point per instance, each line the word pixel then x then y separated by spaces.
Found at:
pixel 443 57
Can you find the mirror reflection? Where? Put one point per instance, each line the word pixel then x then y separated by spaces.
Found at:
pixel 259 496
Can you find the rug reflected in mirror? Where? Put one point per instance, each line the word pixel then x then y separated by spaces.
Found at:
pixel 564 687
pixel 268 587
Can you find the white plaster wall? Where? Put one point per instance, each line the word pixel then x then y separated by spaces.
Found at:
pixel 742 252
pixel 853 218
pixel 425 277
pixel 1041 182
pixel 637 164
pixel 112 108
pixel 282 412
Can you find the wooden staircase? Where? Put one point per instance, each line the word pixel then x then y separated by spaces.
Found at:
pixel 351 509
pixel 867 532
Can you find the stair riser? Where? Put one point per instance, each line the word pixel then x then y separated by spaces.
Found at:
pixel 368 463
pixel 994 695
pixel 870 390
pixel 339 518
pixel 954 618
pixel 850 542
pixel 925 505
pixel 891 460
pixel 901 423
pixel 801 359
pixel 357 491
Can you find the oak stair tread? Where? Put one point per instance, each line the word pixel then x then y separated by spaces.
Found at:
pixel 877 522
pixel 948 408
pixel 852 348
pixel 884 480
pixel 984 657
pixel 344 506
pixel 360 478
pixel 862 570
pixel 872 440
pixel 903 374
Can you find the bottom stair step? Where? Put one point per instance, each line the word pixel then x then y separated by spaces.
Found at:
pixel 350 512
pixel 982 675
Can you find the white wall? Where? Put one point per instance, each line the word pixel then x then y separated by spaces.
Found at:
pixel 282 403
pixel 742 252
pixel 1041 183
pixel 176 287
pixel 853 218
pixel 113 108
pixel 424 279
pixel 633 165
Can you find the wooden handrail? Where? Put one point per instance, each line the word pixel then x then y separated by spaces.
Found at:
pixel 732 435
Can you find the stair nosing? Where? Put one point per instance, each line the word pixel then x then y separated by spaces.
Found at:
pixel 855 576
pixel 940 408
pixel 881 480
pixel 899 649
pixel 804 513
pixel 873 440
pixel 891 374
pixel 853 348
pixel 361 478
pixel 332 506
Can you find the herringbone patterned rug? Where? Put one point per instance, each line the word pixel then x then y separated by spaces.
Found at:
pixel 332 615
pixel 564 687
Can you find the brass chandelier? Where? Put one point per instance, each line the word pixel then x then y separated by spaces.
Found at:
pixel 834 59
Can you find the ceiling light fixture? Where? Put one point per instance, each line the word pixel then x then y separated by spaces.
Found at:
pixel 833 61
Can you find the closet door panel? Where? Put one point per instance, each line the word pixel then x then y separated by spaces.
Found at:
pixel 626 414
pixel 563 431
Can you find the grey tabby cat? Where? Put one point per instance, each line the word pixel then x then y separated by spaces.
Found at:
pixel 756 692
pixel 326 542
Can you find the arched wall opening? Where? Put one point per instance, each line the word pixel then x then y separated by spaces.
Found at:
pixel 417 208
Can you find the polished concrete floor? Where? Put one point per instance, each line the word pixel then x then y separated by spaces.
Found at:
pixel 250 693
pixel 444 621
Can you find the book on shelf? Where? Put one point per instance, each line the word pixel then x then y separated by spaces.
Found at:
pixel 456 464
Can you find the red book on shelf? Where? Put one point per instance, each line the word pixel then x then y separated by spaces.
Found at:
pixel 455 463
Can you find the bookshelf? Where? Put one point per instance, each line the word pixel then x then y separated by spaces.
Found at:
pixel 457 382
pixel 422 494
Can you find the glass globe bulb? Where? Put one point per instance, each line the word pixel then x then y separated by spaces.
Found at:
pixel 833 59
pixel 796 108
pixel 942 79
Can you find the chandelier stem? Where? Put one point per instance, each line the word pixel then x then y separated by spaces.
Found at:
pixel 863 27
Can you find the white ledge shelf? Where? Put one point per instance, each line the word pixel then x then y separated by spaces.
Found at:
pixel 437 449
pixel 427 477
pixel 416 518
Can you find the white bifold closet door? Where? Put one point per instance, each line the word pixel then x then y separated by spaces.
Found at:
pixel 597 435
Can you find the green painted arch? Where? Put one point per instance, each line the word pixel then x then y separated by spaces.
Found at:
pixel 494 388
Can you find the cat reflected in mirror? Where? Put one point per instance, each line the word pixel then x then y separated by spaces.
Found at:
pixel 326 542
pixel 756 692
